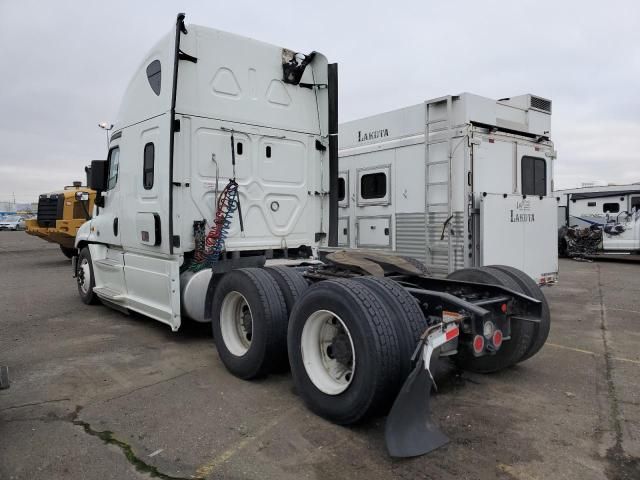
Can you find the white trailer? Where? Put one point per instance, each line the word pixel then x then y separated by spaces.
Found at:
pixel 614 209
pixel 222 168
pixel 457 181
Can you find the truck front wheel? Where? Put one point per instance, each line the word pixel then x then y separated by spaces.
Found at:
pixel 84 277
pixel 249 321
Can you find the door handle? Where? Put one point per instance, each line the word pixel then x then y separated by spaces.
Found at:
pixel 115 227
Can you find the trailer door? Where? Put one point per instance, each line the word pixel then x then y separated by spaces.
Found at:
pixel 520 232
pixel 373 204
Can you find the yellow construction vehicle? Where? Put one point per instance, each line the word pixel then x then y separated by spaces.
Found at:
pixel 61 213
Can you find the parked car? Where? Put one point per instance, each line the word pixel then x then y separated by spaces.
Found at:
pixel 12 222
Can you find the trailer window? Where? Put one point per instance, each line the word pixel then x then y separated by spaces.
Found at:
pixel 154 76
pixel 148 166
pixel 610 207
pixel 373 185
pixel 114 166
pixel 341 189
pixel 534 176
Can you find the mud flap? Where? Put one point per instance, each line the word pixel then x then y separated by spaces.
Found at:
pixel 410 430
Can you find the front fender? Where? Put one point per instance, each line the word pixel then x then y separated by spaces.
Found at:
pixel 84 234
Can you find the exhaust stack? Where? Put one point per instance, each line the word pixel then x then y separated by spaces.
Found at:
pixel 333 154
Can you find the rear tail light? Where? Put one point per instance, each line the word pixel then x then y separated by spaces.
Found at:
pixel 497 339
pixel 478 344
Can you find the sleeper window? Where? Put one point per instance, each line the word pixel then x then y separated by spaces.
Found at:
pixel 341 189
pixel 114 165
pixel 534 176
pixel 154 76
pixel 373 185
pixel 148 165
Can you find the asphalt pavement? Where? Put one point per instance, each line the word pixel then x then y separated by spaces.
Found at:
pixel 97 394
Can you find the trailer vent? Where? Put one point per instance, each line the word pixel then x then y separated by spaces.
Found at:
pixel 541 104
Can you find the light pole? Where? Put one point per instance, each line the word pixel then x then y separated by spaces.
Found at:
pixel 106 127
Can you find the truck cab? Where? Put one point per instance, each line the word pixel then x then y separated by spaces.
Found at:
pixel 196 115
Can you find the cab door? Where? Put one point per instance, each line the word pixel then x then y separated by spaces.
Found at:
pixel 107 223
pixel 108 263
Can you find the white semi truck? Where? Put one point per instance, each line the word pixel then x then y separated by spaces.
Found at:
pixel 456 181
pixel 219 202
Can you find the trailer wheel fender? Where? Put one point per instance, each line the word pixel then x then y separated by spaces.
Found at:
pixel 249 323
pixel 418 264
pixel 511 351
pixel 529 287
pixel 363 331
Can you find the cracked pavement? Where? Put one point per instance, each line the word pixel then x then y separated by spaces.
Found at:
pixel 97 394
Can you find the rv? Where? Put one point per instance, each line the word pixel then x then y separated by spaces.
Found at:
pixel 457 181
pixel 218 202
pixel 613 210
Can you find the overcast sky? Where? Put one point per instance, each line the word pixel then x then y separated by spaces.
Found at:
pixel 65 64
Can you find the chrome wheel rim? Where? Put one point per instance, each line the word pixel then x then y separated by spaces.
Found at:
pixel 236 323
pixel 84 277
pixel 328 353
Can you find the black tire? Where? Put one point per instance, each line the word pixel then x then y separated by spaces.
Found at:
pixel 86 294
pixel 405 315
pixel 68 252
pixel 291 282
pixel 374 384
pixel 267 350
pixel 418 264
pixel 512 350
pixel 529 287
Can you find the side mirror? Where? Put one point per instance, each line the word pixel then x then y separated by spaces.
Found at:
pixel 99 175
pixel 87 171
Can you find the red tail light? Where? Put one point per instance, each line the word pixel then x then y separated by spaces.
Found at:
pixel 478 344
pixel 497 338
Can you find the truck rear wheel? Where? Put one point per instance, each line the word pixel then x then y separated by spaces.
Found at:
pixel 529 287
pixel 249 321
pixel 68 252
pixel 344 351
pixel 84 277
pixel 291 282
pixel 512 350
pixel 405 314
